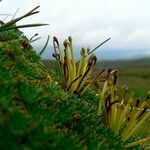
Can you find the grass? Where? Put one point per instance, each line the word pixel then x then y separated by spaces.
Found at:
pixel 137 79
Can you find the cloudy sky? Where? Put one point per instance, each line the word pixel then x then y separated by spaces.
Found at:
pixel 90 22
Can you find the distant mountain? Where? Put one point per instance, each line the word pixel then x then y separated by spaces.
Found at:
pixel 103 54
pixel 132 63
pixel 119 64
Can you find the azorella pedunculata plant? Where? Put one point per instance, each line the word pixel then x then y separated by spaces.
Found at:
pixel 76 74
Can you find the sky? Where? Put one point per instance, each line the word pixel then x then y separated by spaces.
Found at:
pixel 89 22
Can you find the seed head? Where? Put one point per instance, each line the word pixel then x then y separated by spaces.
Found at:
pixel 90 62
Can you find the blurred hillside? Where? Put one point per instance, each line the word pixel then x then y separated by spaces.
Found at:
pixel 132 63
pixel 118 64
pixel 133 73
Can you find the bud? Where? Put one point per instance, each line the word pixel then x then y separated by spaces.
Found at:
pixel 109 70
pixel 56 40
pixel 82 52
pixel 65 43
pixel 90 62
pixel 54 55
pixel 94 58
pixel 70 39
pixel 88 50
pixel 115 76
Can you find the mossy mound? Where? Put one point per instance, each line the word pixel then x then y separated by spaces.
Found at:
pixel 36 113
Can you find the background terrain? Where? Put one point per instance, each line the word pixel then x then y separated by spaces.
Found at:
pixel 133 73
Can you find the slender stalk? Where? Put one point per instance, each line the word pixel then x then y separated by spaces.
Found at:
pixel 94 78
pixel 32 12
pixel 43 49
pixel 98 46
pixel 23 26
